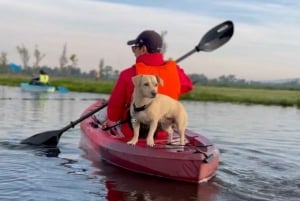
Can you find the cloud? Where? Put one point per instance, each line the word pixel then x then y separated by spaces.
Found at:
pixel 266 34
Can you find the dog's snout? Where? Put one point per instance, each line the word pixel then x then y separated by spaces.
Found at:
pixel 153 93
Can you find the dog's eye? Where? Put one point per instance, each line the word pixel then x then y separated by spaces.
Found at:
pixel 146 84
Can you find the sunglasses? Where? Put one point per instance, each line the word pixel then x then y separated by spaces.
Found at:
pixel 133 48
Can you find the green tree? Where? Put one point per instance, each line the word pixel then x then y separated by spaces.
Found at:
pixel 107 71
pixel 24 54
pixel 63 60
pixel 3 59
pixel 3 63
pixel 199 78
pixel 74 60
pixel 101 67
pixel 116 74
pixel 38 57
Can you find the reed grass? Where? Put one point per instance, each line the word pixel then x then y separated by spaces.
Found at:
pixel 199 93
pixel 245 95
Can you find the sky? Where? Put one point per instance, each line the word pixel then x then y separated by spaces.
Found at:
pixel 265 44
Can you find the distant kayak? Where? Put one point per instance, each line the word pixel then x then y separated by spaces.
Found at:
pixel 37 88
pixel 42 88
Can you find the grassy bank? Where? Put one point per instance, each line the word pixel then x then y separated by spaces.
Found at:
pixel 245 95
pixel 200 93
pixel 73 84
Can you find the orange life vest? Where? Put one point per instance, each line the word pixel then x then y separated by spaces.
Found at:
pixel 168 73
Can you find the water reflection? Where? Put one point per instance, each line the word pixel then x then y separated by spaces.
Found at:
pixel 36 150
pixel 124 185
pixel 35 103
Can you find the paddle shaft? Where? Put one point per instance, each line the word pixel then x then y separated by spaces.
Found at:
pixel 186 55
pixel 87 115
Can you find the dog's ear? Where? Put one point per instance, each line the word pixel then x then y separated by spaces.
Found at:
pixel 159 80
pixel 136 80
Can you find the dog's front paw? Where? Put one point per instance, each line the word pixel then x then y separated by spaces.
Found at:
pixel 132 142
pixel 150 142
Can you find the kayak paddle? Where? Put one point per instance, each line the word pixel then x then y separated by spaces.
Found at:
pixel 51 138
pixel 213 39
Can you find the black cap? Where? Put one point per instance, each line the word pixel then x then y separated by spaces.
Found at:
pixel 150 39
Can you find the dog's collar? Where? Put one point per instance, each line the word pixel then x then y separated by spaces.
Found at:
pixel 139 109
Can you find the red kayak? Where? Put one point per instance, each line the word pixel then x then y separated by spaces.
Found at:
pixel 195 162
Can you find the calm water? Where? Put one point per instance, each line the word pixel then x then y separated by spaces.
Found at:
pixel 260 154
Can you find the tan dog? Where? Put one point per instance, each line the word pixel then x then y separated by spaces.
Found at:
pixel 149 107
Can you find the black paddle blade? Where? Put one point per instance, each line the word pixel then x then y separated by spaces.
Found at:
pixel 48 138
pixel 51 138
pixel 216 37
pixel 213 39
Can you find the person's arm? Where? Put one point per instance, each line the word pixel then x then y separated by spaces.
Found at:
pixel 117 100
pixel 186 82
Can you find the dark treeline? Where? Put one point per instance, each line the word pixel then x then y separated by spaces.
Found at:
pixel 67 65
pixel 232 81
pixel 108 73
pixel 103 73
pixel 68 68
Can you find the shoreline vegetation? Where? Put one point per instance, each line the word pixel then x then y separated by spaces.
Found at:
pixel 240 95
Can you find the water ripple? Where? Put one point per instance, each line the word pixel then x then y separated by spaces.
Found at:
pixel 259 160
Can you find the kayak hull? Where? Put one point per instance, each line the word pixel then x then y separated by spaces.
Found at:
pixel 37 88
pixel 196 162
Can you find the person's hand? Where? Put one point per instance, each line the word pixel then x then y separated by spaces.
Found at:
pixel 113 127
pixel 108 123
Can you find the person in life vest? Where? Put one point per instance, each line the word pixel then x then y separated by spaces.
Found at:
pixel 43 79
pixel 149 60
